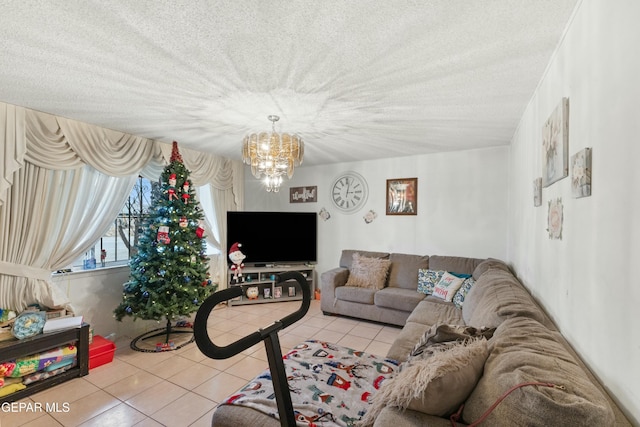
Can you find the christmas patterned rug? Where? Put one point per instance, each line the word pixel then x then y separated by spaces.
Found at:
pixel 330 385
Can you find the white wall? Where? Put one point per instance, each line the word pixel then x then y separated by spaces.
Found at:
pixel 94 294
pixel 586 281
pixel 462 205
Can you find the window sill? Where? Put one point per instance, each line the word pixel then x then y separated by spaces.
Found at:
pixel 79 271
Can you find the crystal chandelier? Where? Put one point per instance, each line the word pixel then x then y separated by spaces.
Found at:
pixel 272 154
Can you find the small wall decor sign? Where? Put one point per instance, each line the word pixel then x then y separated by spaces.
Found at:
pixel 555 145
pixel 581 173
pixel 303 194
pixel 554 219
pixel 537 192
pixel 402 196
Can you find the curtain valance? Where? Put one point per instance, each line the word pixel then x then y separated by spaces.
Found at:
pixel 12 145
pixel 58 143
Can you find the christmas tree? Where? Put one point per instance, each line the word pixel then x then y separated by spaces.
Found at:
pixel 169 274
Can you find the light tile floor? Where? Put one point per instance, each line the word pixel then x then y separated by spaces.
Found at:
pixel 182 387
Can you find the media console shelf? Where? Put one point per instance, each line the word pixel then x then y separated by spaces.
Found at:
pixel 264 278
pixel 11 350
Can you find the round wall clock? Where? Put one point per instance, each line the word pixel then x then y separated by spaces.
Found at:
pixel 349 192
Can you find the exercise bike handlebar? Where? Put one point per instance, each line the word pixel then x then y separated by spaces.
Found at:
pixel 213 351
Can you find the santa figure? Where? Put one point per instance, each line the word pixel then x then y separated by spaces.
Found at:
pixel 236 256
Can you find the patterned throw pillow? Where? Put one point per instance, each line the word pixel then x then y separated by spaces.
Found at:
pixel 427 280
pixel 368 272
pixel 447 287
pixel 461 294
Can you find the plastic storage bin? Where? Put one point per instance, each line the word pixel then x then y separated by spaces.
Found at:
pixel 101 351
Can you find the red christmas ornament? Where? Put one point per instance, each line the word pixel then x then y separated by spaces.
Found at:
pixel 200 230
pixel 185 198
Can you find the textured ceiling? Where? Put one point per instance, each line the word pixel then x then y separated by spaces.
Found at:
pixel 361 79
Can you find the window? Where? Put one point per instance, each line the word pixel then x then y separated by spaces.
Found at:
pixel 120 240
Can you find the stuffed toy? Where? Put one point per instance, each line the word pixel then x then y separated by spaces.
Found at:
pixel 236 256
pixel 172 187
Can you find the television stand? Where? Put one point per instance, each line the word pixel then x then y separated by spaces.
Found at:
pixel 264 279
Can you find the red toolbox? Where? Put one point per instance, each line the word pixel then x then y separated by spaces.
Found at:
pixel 101 351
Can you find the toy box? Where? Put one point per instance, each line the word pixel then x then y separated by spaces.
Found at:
pixel 101 351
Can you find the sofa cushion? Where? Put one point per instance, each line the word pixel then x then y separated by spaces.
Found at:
pixel 498 295
pixel 454 264
pixel 404 270
pixel 406 340
pixel 487 264
pixel 396 417
pixel 522 350
pixel 353 294
pixel 432 310
pixel 397 298
pixel 437 385
pixel 368 272
pixel 347 256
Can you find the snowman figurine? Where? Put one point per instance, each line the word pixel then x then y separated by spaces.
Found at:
pixel 236 256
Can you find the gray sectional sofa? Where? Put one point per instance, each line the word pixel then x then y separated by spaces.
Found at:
pixel 525 346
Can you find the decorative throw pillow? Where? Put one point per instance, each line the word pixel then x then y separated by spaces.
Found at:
pixel 461 294
pixel 427 280
pixel 447 287
pixel 435 386
pixel 368 272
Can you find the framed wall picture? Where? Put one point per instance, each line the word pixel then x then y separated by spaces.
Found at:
pixel 555 145
pixel 303 194
pixel 581 173
pixel 402 196
pixel 555 219
pixel 537 192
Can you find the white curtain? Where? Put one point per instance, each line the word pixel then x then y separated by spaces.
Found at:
pixel 42 234
pixel 215 203
pixel 62 183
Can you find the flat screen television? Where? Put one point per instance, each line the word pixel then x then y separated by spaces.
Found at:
pixel 274 237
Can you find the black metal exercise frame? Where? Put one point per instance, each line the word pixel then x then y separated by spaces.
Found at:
pixel 269 335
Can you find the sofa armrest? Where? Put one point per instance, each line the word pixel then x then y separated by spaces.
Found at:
pixel 329 281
